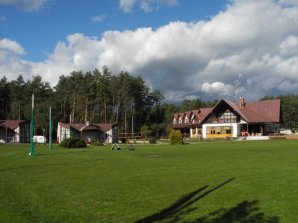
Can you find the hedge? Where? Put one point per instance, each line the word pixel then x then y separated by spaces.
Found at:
pixel 73 143
pixel 176 137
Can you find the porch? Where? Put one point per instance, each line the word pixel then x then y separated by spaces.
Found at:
pixel 220 130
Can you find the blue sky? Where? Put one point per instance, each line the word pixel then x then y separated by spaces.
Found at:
pixel 38 31
pixel 184 48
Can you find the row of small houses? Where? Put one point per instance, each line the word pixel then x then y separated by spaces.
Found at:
pixel 225 119
pixel 18 131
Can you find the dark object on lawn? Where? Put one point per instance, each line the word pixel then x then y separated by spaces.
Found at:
pixel 131 147
pixel 116 146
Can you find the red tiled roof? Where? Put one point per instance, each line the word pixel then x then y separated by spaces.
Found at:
pixel 105 126
pixel 82 126
pixel 188 114
pixel 182 115
pixel 262 111
pixel 78 126
pixel 11 124
pixel 200 114
pixel 258 111
pixel 176 116
pixel 203 112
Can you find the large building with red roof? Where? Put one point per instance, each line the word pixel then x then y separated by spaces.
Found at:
pixel 229 119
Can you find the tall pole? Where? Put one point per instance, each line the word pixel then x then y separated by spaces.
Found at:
pixel 132 135
pixel 132 114
pixel 32 145
pixel 50 129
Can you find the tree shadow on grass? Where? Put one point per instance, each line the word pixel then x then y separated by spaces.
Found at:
pixel 244 212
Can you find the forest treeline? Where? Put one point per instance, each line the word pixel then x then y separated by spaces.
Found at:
pixel 103 97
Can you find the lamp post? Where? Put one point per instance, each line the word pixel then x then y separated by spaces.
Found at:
pixel 132 114
pixel 32 144
pixel 50 129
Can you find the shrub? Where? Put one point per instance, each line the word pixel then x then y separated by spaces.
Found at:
pixel 176 137
pixel 97 143
pixel 152 140
pixel 147 131
pixel 73 143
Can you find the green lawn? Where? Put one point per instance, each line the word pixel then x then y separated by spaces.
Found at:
pixel 206 183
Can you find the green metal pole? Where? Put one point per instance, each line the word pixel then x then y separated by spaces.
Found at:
pixel 50 129
pixel 32 144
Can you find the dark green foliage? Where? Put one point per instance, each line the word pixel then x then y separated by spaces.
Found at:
pixel 96 143
pixel 152 140
pixel 155 130
pixel 176 137
pixel 147 132
pixel 101 96
pixel 94 96
pixel 73 143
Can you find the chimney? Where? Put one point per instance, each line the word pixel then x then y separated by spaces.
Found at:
pixel 87 123
pixel 241 103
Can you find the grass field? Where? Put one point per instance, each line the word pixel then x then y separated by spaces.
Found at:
pixel 205 183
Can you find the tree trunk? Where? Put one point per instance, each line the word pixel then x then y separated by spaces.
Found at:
pixel 125 123
pixel 105 110
pixel 74 106
pixel 19 111
pixel 86 111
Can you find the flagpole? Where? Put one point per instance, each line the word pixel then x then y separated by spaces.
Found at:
pixel 50 129
pixel 32 145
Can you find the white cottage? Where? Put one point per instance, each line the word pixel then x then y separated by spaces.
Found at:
pixel 104 132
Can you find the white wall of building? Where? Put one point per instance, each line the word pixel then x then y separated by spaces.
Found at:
pixel 17 134
pixel 235 128
pixel 62 133
pixel 109 135
pixel 194 134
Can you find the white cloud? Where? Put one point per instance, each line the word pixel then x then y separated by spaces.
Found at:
pixel 218 88
pixel 126 5
pixel 10 46
pixel 250 49
pixel 26 5
pixel 289 47
pixel 98 19
pixel 146 5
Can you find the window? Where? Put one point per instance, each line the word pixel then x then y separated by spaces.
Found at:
pixel 193 132
pixel 227 117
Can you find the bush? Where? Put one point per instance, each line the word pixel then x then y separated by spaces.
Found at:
pixel 97 143
pixel 147 133
pixel 176 137
pixel 73 143
pixel 152 140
